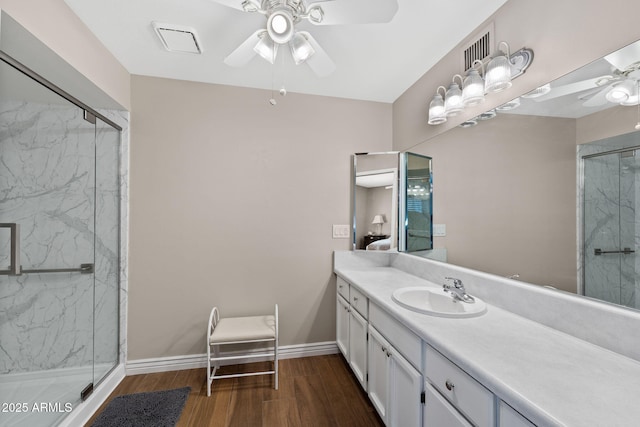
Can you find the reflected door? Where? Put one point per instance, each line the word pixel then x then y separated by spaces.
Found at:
pixel 611 203
pixel 47 250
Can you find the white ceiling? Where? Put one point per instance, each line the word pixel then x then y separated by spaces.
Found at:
pixel 376 62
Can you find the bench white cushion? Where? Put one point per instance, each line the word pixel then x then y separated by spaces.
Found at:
pixel 233 329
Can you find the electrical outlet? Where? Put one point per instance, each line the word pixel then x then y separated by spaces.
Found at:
pixel 439 230
pixel 341 231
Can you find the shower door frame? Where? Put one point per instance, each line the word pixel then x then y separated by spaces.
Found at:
pixel 581 214
pixel 90 115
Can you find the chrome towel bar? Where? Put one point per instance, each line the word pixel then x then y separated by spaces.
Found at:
pixel 15 269
pixel 625 251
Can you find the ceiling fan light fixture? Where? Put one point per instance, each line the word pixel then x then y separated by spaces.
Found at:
pixel 280 26
pixel 266 48
pixel 634 98
pixel 620 93
pixel 301 49
pixel 250 6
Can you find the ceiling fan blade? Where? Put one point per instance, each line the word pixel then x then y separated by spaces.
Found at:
pixel 338 12
pixel 568 89
pixel 319 62
pixel 237 4
pixel 244 53
pixel 599 98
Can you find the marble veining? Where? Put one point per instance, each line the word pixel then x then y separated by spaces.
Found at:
pixel 609 199
pixel 51 186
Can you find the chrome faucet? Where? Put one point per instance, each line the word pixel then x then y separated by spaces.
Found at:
pixel 457 291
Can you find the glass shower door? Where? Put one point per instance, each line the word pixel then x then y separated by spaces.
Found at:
pixel 47 255
pixel 611 191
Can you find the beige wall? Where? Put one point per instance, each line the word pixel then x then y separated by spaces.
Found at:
pixel 506 191
pixel 606 123
pixel 53 23
pixel 508 196
pixel 232 204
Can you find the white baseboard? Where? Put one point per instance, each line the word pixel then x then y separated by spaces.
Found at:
pixel 85 410
pixel 195 361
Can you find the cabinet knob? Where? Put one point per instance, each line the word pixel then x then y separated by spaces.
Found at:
pixel 340 286
pixel 384 350
pixel 450 386
pixel 355 299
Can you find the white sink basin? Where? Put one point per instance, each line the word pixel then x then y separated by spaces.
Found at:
pixel 437 302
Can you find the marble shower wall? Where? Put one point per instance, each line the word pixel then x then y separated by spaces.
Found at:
pixel 48 185
pixel 609 205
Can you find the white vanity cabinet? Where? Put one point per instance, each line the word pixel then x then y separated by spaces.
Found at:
pixel 395 387
pixel 509 417
pixel 351 328
pixel 358 347
pixel 342 325
pixel 438 412
pixel 466 394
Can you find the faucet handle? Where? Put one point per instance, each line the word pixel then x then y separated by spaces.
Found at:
pixel 456 282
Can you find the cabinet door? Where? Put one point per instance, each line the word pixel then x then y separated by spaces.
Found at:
pixel 438 412
pixel 379 370
pixel 509 417
pixel 342 326
pixel 358 347
pixel 405 406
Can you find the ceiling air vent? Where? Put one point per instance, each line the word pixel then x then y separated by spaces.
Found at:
pixel 178 38
pixel 478 49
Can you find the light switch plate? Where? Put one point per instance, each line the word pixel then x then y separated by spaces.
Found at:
pixel 439 230
pixel 341 231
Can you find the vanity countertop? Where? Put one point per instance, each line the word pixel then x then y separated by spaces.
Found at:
pixel 551 377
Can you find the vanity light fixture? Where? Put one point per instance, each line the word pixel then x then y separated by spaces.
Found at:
pixel 473 86
pixel 504 67
pixel 453 98
pixel 487 115
pixel 511 105
pixel 538 92
pixel 498 75
pixel 436 108
pixel 469 123
pixel 500 71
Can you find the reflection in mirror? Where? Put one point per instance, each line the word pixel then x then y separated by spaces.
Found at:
pixel 416 193
pixel 513 191
pixel 375 210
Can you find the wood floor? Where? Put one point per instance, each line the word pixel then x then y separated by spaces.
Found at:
pixel 313 391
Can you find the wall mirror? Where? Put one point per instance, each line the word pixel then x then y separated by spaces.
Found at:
pixel 524 190
pixel 375 201
pixel 392 202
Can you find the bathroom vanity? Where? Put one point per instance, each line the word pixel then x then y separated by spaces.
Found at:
pixel 519 363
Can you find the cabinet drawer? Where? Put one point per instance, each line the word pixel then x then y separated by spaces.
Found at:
pixel 465 393
pixel 509 417
pixel 405 341
pixel 359 302
pixel 343 288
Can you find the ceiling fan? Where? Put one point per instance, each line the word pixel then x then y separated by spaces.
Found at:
pixel 619 87
pixel 282 17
